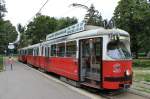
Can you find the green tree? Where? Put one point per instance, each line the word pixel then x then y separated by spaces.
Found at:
pixel 39 28
pixel 20 28
pixel 23 37
pixel 8 34
pixel 65 22
pixel 94 17
pixel 134 17
pixel 43 25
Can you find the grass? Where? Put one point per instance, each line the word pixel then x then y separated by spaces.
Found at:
pixel 142 75
pixel 141 68
pixel 141 63
pixel 1 63
pixel 143 89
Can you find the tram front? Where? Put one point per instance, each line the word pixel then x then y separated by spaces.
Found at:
pixel 117 61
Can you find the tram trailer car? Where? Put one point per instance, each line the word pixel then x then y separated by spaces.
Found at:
pixel 95 57
pixel 22 57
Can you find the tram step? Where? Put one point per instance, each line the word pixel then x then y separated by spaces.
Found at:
pixel 91 85
pixel 69 81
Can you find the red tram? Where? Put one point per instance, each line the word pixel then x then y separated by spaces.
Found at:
pixel 87 55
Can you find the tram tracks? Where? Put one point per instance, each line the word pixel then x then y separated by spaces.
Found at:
pixel 141 88
pixel 124 95
pixel 121 94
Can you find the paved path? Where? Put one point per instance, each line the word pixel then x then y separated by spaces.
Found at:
pixel 24 83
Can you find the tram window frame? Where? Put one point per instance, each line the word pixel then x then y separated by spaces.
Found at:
pixel 42 50
pixel 38 51
pixel 53 50
pixel 73 50
pixel 60 49
pixel 49 51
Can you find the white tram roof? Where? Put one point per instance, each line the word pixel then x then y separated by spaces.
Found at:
pixel 30 46
pixel 99 32
pixel 78 31
pixel 83 29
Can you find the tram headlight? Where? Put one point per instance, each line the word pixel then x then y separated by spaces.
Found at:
pixel 127 72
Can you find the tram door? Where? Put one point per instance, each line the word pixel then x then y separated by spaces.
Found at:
pixel 90 59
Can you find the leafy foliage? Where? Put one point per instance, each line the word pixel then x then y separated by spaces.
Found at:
pixel 38 29
pixel 41 26
pixel 7 30
pixel 94 17
pixel 1 63
pixel 141 63
pixel 20 28
pixel 134 17
pixel 8 34
pixel 65 22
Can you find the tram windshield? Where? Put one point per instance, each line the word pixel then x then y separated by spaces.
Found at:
pixel 118 50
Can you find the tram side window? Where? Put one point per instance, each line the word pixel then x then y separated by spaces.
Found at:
pixel 46 51
pixel 24 52
pixel 20 52
pixel 42 51
pixel 30 51
pixel 36 51
pixel 71 49
pixel 53 50
pixel 97 47
pixel 86 49
pixel 61 49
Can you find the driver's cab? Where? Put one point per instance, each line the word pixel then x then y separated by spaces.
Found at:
pixel 117 61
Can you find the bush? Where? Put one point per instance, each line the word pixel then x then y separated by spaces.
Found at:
pixel 1 63
pixel 144 63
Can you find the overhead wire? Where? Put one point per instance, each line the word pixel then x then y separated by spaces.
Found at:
pixel 38 11
pixel 70 10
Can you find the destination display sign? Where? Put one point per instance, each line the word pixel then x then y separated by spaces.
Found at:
pixel 11 46
pixel 67 31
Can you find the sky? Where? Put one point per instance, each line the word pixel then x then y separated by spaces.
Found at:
pixel 22 11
